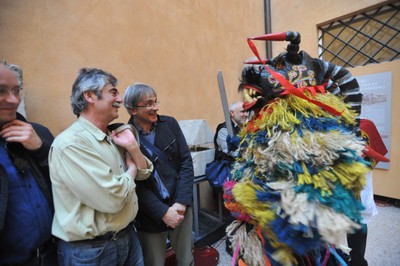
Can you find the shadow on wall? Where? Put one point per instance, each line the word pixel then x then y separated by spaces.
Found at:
pixel 21 108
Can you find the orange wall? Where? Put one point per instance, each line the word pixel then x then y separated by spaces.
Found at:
pixel 175 46
pixel 386 182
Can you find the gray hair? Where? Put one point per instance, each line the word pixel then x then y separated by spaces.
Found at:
pixel 89 79
pixel 17 70
pixel 233 105
pixel 135 93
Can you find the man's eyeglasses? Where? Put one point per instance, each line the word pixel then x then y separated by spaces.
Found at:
pixel 149 105
pixel 4 91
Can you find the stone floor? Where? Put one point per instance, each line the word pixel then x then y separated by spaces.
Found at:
pixel 383 243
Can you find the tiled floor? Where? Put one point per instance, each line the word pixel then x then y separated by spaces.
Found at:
pixel 383 244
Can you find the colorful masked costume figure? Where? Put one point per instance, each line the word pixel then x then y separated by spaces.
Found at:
pixel 300 169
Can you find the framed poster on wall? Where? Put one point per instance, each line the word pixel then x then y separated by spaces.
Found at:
pixel 377 105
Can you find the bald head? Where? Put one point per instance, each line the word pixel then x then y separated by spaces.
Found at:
pixel 238 115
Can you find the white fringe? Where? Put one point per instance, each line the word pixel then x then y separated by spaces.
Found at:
pixel 250 245
pixel 332 226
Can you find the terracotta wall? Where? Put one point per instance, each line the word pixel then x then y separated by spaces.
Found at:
pixel 175 46
pixel 304 16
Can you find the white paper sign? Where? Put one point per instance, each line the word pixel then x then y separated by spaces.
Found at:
pixel 377 105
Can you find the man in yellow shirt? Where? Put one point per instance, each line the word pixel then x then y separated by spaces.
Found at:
pixel 93 173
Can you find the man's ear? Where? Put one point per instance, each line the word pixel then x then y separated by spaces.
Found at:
pixel 89 96
pixel 132 111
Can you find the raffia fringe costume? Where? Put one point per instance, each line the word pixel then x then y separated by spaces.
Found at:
pixel 296 181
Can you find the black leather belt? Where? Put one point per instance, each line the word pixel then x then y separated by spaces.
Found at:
pixel 110 235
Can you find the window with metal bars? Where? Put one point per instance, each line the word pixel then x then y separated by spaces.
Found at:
pixel 367 37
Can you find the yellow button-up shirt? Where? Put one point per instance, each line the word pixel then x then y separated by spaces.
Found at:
pixel 92 192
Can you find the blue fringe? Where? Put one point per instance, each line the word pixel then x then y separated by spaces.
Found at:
pixel 321 124
pixel 261 137
pixel 233 143
pixel 293 235
pixel 338 258
pixel 268 196
pixel 268 250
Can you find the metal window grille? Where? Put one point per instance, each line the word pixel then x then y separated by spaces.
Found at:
pixel 367 37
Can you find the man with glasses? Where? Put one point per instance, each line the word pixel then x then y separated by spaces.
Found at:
pixel 26 206
pixel 166 197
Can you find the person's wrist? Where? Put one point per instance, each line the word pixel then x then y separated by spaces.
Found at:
pixel 134 149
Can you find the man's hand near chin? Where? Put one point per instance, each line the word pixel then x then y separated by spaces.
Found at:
pixel 22 132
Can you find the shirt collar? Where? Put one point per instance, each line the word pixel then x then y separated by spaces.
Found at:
pixel 141 131
pixel 95 131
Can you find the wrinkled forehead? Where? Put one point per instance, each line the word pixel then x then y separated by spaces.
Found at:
pixel 4 70
pixel 7 76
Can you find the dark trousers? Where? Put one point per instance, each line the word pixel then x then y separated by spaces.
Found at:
pixel 46 255
pixel 358 242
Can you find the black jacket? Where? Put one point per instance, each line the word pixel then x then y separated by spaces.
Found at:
pixel 177 176
pixel 23 159
pixel 219 154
